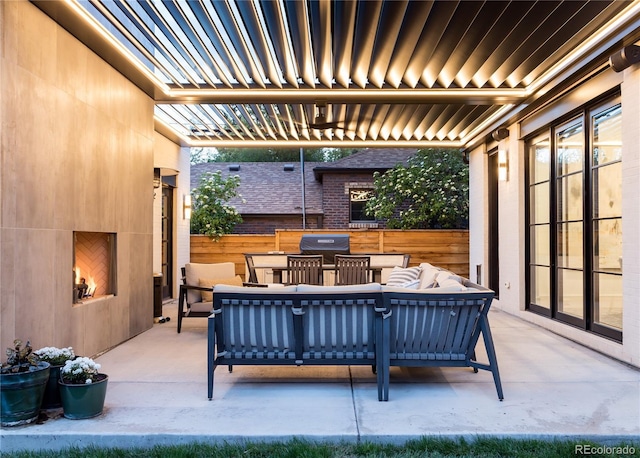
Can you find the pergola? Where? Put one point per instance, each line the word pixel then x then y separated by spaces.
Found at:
pixel 348 74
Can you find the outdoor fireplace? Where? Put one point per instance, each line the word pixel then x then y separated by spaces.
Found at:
pixel 94 265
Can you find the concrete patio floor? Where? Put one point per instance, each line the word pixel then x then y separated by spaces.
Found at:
pixel 157 394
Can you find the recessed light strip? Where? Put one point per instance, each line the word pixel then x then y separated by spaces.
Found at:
pixel 486 123
pixel 99 28
pixel 585 46
pixel 240 95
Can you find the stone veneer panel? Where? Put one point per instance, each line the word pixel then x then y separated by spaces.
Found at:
pixel 77 154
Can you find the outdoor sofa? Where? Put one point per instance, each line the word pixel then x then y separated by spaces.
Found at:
pixel 435 319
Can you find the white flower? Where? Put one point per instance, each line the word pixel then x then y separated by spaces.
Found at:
pixel 55 356
pixel 80 370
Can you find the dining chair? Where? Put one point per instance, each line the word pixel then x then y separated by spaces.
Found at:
pixel 305 269
pixel 252 276
pixel 352 269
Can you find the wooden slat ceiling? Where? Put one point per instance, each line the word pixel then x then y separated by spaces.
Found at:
pixel 243 73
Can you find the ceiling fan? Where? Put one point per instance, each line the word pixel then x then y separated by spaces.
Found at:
pixel 320 121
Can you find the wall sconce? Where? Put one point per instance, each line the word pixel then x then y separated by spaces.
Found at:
pixel 503 165
pixel 157 181
pixel 186 207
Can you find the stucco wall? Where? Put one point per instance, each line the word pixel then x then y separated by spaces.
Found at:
pixel 77 154
pixel 512 228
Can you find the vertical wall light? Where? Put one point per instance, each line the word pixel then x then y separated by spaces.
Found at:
pixel 499 135
pixel 503 165
pixel 157 179
pixel 186 206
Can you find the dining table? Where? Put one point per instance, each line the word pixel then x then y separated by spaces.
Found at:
pixel 276 263
pixel 278 271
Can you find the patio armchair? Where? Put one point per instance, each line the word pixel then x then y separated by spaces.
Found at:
pixel 196 292
pixel 352 269
pixel 304 269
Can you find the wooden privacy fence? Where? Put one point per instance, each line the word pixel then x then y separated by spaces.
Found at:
pixel 444 248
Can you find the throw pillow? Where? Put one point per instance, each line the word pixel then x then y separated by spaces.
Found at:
pixel 400 276
pixel 450 280
pixel 413 284
pixel 207 296
pixel 428 275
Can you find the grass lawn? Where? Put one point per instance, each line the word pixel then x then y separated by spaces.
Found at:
pixel 427 447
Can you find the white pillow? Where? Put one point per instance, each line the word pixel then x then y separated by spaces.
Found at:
pixel 400 276
pixel 428 275
pixel 450 280
pixel 413 284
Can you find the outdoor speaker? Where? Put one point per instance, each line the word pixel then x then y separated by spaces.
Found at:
pixel 625 58
pixel 500 134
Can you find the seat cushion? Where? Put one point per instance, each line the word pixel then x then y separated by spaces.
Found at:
pixel 200 307
pixel 194 272
pixel 250 290
pixel 364 288
pixel 207 296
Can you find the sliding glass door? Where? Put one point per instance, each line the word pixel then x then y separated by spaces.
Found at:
pixel 574 216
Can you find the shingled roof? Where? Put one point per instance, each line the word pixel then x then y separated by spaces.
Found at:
pixel 369 160
pixel 267 188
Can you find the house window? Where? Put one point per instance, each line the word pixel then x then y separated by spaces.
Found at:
pixel 574 215
pixel 358 199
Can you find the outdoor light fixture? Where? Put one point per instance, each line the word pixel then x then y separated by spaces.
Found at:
pixel 500 134
pixel 503 165
pixel 625 58
pixel 186 207
pixel 157 181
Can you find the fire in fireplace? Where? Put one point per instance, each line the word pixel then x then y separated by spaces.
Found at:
pixel 94 272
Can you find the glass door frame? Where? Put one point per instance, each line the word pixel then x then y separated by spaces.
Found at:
pixel 588 320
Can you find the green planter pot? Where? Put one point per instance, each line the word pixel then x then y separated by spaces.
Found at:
pixel 83 401
pixel 21 395
pixel 51 398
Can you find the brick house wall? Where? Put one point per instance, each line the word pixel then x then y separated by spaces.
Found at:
pixel 269 224
pixel 336 203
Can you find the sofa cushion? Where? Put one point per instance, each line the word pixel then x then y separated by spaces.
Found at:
pixel 207 296
pixel 428 275
pixel 450 280
pixel 434 290
pixel 400 276
pixel 201 307
pixel 193 272
pixel 251 290
pixel 368 287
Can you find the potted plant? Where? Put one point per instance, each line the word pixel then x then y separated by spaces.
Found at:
pixel 56 357
pixel 82 388
pixel 23 379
